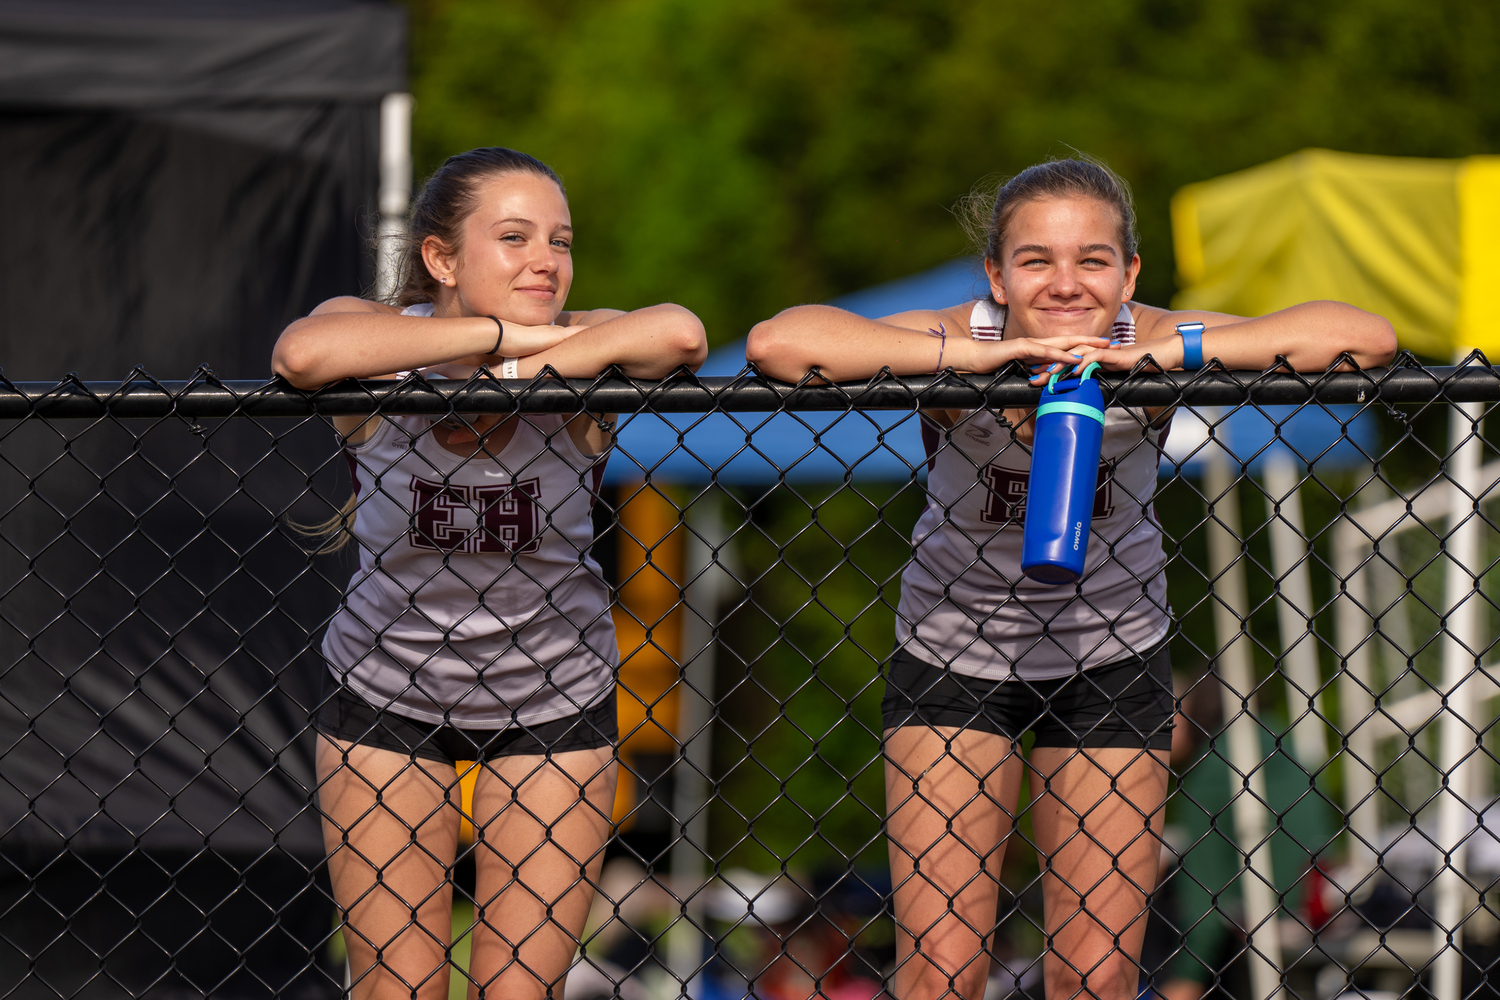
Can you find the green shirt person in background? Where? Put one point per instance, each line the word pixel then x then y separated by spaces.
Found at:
pixel 1207 927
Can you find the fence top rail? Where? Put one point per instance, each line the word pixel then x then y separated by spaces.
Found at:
pixel 207 396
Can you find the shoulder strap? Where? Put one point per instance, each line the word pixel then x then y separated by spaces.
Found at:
pixel 1122 334
pixel 987 320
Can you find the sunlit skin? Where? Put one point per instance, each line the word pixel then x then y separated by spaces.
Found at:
pixel 1064 276
pixel 1063 272
pixel 516 259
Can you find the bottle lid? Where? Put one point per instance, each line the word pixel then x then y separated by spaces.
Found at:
pixel 1088 372
pixel 1055 405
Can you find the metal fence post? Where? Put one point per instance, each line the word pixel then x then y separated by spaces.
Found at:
pixel 705 589
pixel 1251 827
pixel 1290 550
pixel 1356 704
pixel 1461 649
pixel 395 188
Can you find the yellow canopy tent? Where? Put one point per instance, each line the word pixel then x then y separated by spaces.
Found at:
pixel 1417 241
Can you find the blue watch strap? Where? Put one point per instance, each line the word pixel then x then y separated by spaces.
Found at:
pixel 1192 344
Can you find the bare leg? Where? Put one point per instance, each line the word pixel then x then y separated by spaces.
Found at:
pixel 543 824
pixel 1182 989
pixel 1097 815
pixel 391 833
pixel 951 798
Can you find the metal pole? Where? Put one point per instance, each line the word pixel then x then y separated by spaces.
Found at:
pixel 395 188
pixel 1290 554
pixel 707 583
pixel 1356 705
pixel 1461 648
pixel 1237 687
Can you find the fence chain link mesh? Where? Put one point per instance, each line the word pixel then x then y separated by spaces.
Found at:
pixel 168 823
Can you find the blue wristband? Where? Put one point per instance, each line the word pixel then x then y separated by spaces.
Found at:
pixel 1192 344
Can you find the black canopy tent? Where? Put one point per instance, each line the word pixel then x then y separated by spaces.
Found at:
pixel 179 180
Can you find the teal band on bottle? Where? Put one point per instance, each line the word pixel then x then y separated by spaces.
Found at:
pixel 1064 406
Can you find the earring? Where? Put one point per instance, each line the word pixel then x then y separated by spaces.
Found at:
pixel 443 281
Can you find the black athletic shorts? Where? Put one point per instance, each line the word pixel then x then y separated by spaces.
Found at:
pixel 1127 703
pixel 346 716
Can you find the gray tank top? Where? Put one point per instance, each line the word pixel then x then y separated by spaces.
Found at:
pixel 965 605
pixel 476 601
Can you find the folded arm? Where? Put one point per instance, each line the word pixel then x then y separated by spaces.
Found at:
pixel 646 343
pixel 349 337
pixel 1311 336
pixel 355 338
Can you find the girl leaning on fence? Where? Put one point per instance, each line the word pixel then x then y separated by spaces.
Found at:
pixel 985 655
pixel 476 627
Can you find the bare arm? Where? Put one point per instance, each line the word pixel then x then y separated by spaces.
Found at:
pixel 646 343
pixel 588 317
pixel 348 337
pixel 843 346
pixel 1310 336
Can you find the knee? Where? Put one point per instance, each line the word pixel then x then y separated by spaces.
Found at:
pixel 1116 977
pixel 942 977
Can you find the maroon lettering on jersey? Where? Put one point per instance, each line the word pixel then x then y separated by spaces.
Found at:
pixel 1005 498
pixel 452 517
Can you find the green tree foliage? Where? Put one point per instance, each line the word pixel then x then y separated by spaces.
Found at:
pixel 745 155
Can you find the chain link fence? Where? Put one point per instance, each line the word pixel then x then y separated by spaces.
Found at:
pixel 165 822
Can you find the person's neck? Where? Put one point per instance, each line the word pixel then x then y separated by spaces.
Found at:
pixel 447 305
pixel 1008 329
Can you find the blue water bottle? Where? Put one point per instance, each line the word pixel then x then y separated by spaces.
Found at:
pixel 1064 476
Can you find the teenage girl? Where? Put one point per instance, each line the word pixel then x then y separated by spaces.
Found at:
pixel 985 655
pixel 477 626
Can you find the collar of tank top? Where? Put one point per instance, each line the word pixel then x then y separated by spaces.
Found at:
pixel 987 322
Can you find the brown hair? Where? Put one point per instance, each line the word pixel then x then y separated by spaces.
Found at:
pixel 987 210
pixel 445 201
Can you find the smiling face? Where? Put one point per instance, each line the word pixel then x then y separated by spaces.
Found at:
pixel 515 260
pixel 1061 271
